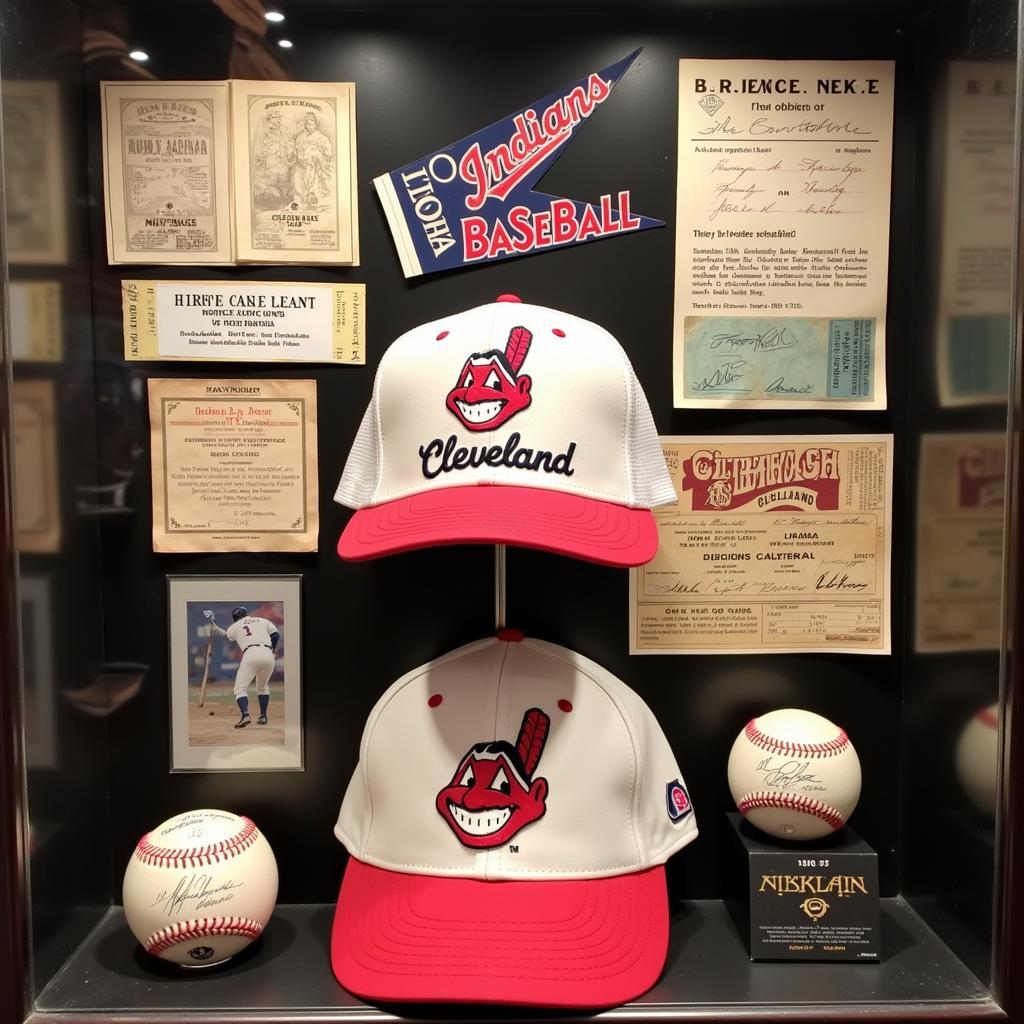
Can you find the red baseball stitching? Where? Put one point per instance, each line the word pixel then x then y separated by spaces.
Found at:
pixel 183 931
pixel 197 856
pixel 792 801
pixel 777 746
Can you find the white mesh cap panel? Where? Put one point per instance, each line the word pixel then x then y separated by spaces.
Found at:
pixel 652 484
pixel 362 469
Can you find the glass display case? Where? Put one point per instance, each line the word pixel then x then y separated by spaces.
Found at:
pixel 85 720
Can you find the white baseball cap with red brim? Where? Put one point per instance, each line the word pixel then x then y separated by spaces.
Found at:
pixel 508 824
pixel 507 423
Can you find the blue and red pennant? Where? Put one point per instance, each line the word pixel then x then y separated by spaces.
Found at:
pixel 473 201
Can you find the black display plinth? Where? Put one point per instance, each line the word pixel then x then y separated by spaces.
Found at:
pixel 804 901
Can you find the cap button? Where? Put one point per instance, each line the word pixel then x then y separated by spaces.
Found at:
pixel 508 297
pixel 509 635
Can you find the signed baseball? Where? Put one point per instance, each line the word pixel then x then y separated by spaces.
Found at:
pixel 200 887
pixel 794 775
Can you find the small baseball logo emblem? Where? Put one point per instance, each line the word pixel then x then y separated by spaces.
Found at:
pixel 814 907
pixel 710 103
pixel 720 494
pixel 490 389
pixel 201 953
pixel 493 793
pixel 678 801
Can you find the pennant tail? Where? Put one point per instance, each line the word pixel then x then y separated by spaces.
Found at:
pixel 385 188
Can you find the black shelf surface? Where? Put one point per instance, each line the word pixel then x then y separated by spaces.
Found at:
pixel 286 976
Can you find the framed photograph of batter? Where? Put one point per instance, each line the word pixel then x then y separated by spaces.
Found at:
pixel 235 676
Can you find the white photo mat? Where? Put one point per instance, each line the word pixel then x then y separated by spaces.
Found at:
pixel 205 738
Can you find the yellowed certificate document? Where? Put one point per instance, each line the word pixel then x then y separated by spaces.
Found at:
pixel 37 489
pixel 777 544
pixel 167 172
pixel 244 321
pixel 782 234
pixel 978 218
pixel 295 149
pixel 960 543
pixel 234 465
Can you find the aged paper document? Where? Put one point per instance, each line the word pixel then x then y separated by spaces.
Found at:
pixel 167 172
pixel 35 187
pixel 960 545
pixel 295 173
pixel 782 233
pixel 234 465
pixel 244 321
pixel 34 422
pixel 777 544
pixel 976 249
pixel 37 321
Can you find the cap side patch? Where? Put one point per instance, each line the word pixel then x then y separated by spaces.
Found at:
pixel 677 801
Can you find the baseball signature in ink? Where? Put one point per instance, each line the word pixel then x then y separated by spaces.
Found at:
pixel 772 340
pixel 789 773
pixel 198 890
pixel 727 373
pixel 780 387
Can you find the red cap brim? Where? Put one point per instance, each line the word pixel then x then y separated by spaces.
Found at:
pixel 579 943
pixel 568 524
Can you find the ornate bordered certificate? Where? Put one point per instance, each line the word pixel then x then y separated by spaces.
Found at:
pixel 234 465
pixel 167 172
pixel 782 233
pixel 777 544
pixel 295 170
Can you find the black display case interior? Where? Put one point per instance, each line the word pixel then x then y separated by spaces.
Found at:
pixel 79 789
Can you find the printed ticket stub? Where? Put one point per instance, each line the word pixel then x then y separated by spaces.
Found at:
pixel 166 172
pixel 777 544
pixel 960 545
pixel 782 234
pixel 244 321
pixel 234 465
pixel 37 321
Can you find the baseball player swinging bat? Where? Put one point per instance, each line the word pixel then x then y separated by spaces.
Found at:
pixel 258 638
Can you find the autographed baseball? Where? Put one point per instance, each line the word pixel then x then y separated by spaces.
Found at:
pixel 794 775
pixel 200 887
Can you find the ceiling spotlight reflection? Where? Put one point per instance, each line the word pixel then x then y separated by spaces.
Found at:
pixel 275 16
pixel 139 55
pixel 285 44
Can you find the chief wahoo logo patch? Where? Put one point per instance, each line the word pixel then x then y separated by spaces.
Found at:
pixel 493 793
pixel 490 390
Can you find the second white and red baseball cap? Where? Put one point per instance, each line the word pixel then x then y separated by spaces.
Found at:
pixel 507 423
pixel 508 824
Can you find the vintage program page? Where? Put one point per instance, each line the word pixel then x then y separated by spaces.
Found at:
pixel 234 465
pixel 244 321
pixel 976 248
pixel 167 172
pixel 777 544
pixel 782 234
pixel 959 559
pixel 295 152
pixel 35 186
